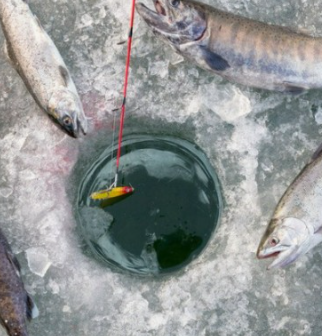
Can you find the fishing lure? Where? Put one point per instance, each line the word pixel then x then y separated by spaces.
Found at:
pixel 115 191
pixel 112 193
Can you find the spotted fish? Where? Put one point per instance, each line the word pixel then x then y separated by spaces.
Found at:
pixel 296 226
pixel 239 49
pixel 37 60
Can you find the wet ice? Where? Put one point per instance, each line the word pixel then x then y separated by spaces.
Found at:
pixel 38 260
pixel 257 151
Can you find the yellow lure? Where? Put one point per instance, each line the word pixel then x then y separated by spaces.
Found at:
pixel 111 193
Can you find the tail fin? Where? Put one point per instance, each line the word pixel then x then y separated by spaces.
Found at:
pixel 32 310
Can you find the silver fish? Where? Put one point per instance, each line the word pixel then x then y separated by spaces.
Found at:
pixel 296 226
pixel 239 49
pixel 16 306
pixel 37 60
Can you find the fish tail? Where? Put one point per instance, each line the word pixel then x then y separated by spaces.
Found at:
pixel 32 310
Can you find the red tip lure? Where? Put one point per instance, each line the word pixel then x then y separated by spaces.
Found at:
pixel 114 191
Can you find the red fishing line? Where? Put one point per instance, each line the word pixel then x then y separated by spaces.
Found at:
pixel 127 67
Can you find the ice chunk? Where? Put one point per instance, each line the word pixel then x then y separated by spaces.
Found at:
pixel 66 309
pixel 87 20
pixel 53 286
pixel 159 69
pixel 6 191
pixel 229 103
pixel 318 116
pixel 38 260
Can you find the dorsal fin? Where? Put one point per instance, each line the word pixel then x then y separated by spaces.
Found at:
pixel 298 31
pixel 9 55
pixel 64 73
pixel 38 22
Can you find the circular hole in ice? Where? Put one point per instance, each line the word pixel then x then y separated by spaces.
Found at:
pixel 170 217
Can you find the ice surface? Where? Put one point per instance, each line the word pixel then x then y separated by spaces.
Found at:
pixel 258 141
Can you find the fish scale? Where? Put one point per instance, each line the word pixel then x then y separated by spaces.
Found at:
pixel 39 63
pixel 253 53
pixel 296 225
pixel 16 306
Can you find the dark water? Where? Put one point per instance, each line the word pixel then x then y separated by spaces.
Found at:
pixel 170 217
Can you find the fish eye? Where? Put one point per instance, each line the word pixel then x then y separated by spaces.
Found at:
pixel 274 241
pixel 175 3
pixel 67 121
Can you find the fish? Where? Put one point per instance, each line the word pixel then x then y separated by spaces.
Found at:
pixel 38 62
pixel 239 49
pixel 296 225
pixel 16 305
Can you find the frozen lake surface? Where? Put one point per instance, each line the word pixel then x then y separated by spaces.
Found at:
pixel 258 142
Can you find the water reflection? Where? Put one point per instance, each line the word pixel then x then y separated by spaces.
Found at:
pixel 169 219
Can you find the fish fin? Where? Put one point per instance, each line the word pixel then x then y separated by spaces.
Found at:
pixel 213 60
pixel 32 310
pixel 292 88
pixel 64 73
pixel 38 22
pixel 7 53
pixel 317 153
pixel 14 262
pixel 299 31
pixel 5 48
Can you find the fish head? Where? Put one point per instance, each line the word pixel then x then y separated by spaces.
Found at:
pixel 66 110
pixel 176 21
pixel 286 239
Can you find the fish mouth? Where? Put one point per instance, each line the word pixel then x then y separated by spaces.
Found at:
pixel 184 25
pixel 82 125
pixel 79 125
pixel 282 257
pixel 158 20
pixel 75 129
pixel 272 255
pixel 294 240
pixel 72 130
pixel 68 130
pixel 159 8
